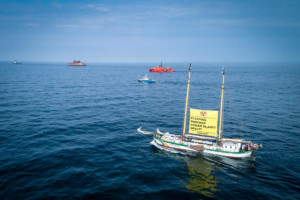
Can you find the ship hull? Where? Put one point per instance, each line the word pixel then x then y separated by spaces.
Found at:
pixel 161 69
pixel 77 64
pixel 188 147
pixel 170 70
pixel 146 81
pixel 156 70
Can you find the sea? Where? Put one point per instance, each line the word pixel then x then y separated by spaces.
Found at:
pixel 69 132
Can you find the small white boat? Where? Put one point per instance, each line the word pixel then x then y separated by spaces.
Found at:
pixel 15 62
pixel 145 79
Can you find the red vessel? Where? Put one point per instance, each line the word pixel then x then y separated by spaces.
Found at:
pixel 77 63
pixel 160 69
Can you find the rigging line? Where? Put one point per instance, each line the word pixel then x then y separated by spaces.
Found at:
pixel 235 114
pixel 231 108
pixel 229 102
pixel 155 111
pixel 149 115
pixel 237 118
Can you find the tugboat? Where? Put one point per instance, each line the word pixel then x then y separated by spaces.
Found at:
pixel 77 63
pixel 161 69
pixel 146 80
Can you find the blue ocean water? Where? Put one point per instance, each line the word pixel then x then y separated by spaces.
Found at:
pixel 70 132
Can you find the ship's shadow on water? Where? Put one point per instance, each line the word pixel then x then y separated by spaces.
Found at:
pixel 201 173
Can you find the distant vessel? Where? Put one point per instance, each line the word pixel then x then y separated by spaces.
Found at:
pixel 77 63
pixel 145 79
pixel 161 69
pixel 203 123
pixel 15 62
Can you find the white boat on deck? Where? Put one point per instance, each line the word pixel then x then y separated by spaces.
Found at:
pixel 203 136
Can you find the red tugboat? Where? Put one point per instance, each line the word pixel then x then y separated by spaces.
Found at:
pixel 77 63
pixel 161 69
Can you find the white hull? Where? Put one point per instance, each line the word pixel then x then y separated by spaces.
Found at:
pixel 230 155
pixel 179 145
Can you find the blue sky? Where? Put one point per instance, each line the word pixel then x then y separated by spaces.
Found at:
pixel 150 31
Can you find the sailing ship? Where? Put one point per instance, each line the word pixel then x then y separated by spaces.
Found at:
pixel 203 134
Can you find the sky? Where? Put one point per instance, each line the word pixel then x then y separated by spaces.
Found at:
pixel 150 30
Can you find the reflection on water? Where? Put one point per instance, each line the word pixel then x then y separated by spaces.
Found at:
pixel 199 173
pixel 203 173
pixel 201 177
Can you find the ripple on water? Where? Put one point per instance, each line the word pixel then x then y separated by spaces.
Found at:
pixel 71 132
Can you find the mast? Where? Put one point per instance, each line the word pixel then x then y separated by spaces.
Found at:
pixel 186 100
pixel 221 108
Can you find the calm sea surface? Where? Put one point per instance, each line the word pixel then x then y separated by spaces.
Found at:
pixel 70 132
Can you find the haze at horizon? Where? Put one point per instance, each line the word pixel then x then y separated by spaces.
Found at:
pixel 149 31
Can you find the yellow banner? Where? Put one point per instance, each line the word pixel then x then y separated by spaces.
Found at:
pixel 203 122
